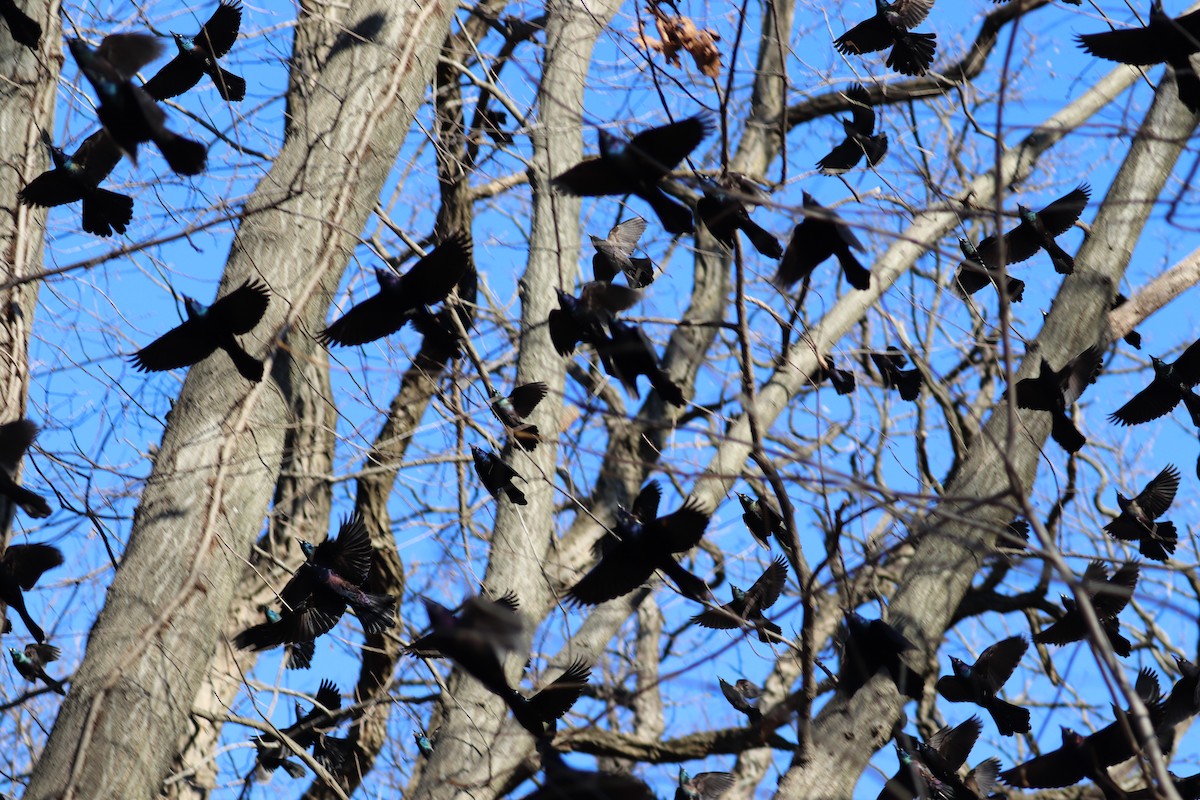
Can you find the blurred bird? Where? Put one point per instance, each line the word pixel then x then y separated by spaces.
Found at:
pixel 638 165
pixel 306 731
pixel 739 696
pixel 1037 232
pixel 891 26
pixel 628 353
pixel 209 328
pixel 78 177
pixel 426 743
pixel 1133 338
pixel 496 475
pixel 843 380
pixel 861 139
pixel 1136 522
pixel 722 209
pixel 930 769
pixel 127 112
pixel 614 255
pixel 1077 759
pixel 15 439
pixel 1055 391
pixel 869 646
pixel 1109 597
pixel 821 234
pixel 584 318
pixel 20 568
pixel 198 56
pixel 1188 789
pixel 747 607
pixel 892 375
pixel 645 542
pixel 493 122
pixel 564 782
pixel 400 297
pixel 978 683
pixel 703 786
pixel 513 408
pixel 1172 382
pixel 31 664
pixel 1162 40
pixel 762 518
pixel 297 655
pixel 316 596
pixel 477 614
pixel 973 275
pixel 23 29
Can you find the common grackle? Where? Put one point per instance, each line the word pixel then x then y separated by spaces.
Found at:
pixel 496 475
pixel 127 112
pixel 1036 232
pixel 513 408
pixel 978 683
pixel 584 318
pixel 23 29
pixel 1078 758
pixel 207 329
pixel 1108 595
pixel 747 607
pixel 1055 391
pixel 861 138
pixel 1172 382
pixel 930 769
pixel 843 380
pixel 892 375
pixel 316 596
pixel 821 234
pixel 78 177
pixel 564 782
pixel 638 165
pixel 297 655
pixel 614 255
pixel 628 353
pixel 426 743
pixel 722 209
pixel 645 542
pixel 306 731
pixel 869 646
pixel 739 696
pixel 198 56
pixel 31 664
pixel 703 786
pixel 15 439
pixel 973 275
pixel 400 297
pixel 1163 40
pixel 20 568
pixel 891 26
pixel 1136 522
pixel 762 518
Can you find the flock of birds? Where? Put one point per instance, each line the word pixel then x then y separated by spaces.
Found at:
pixel 480 634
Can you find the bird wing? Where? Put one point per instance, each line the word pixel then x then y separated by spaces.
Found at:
pixel 861 112
pixel 768 587
pixel 243 308
pixel 954 744
pixel 42 654
pixel 27 562
pixel 498 619
pixel 15 438
pixel 645 505
pixel 954 689
pixel 594 177
pixel 619 572
pixel 98 155
pixel 841 158
pixel 665 146
pixel 1039 393
pixel 1159 493
pixel 997 663
pixel 350 554
pixel 735 698
pixel 1138 46
pixel 624 236
pixel 371 319
pixel 1059 216
pixel 1154 401
pixel 433 277
pixel 1111 597
pixel 54 187
pixel 221 30
pixel 1068 628
pixel 680 530
pixel 867 36
pixel 311 618
pixel 126 53
pixel 722 618
pixel 176 77
pixel 712 784
pixel 912 12
pixel 181 346
pixel 556 699
pixel 525 398
pixel 1054 769
pixel 1187 366
pixel 1081 371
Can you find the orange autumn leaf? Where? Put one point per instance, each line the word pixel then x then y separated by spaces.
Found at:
pixel 681 33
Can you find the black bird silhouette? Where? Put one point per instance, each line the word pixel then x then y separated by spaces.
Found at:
pixel 23 29
pixel 891 26
pixel 861 139
pixel 316 596
pixel 1108 596
pixel 1188 789
pixel 496 475
pixel 978 683
pixel 1055 391
pixel 628 353
pixel 513 408
pixel 930 769
pixel 1136 522
pixel 614 255
pixel 1172 382
pixel 747 607
pixel 207 329
pixel 584 318
pixel 78 177
pixel 869 646
pixel 973 275
pixel 31 663
pixel 1078 758
pixel 703 786
pixel 298 655
pixel 739 696
pixel 843 380
pixel 127 112
pixel 564 782
pixel 1163 40
pixel 1133 338
pixel 15 438
pixel 1036 232
pixel 722 209
pixel 198 56
pixel 400 297
pixel 308 729
pixel 638 166
pixel 20 568
pixel 821 234
pixel 645 542
pixel 762 518
pixel 892 375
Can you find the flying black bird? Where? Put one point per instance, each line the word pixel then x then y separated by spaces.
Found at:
pixel 476 616
pixel 1172 382
pixel 1078 758
pixel 496 475
pixel 861 138
pixel 645 542
pixel 1136 522
pixel 638 165
pixel 722 209
pixel 1055 391
pixel 129 114
pixel 15 438
pixel 821 234
pixel 978 683
pixel 23 29
pixel 891 26
pixel 1133 338
pixel 762 518
pixel 747 607
pixel 31 663
pixel 628 353
pixel 1109 597
pixel 297 655
pixel 930 769
pixel 869 646
pixel 20 567
pixel 973 275
pixel 78 177
pixel 399 298
pixel 892 375
pixel 614 255
pixel 493 120
pixel 1163 40
pixel 512 410
pixel 843 380
pixel 207 329
pixel 308 729
pixel 703 786
pixel 316 596
pixel 564 782
pixel 584 318
pixel 739 696
pixel 198 56
pixel 426 743
pixel 1036 232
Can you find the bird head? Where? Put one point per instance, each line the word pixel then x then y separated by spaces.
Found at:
pixel 610 144
pixel 1122 501
pixel 960 667
pixel 386 278
pixel 308 548
pixel 1161 368
pixel 184 43
pixel 683 776
pixel 968 249
pixel 1026 214
pixel 738 594
pixel 747 501
pixel 194 307
pixel 479 456
pixel 83 54
pixel 1070 737
pixel 15 653
pixel 272 615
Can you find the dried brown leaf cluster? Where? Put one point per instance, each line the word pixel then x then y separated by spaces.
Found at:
pixel 680 33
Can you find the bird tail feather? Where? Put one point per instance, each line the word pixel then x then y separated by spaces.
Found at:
pixel 763 240
pixel 376 612
pixel 185 157
pixel 229 86
pixel 250 368
pixel 105 212
pixel 1010 719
